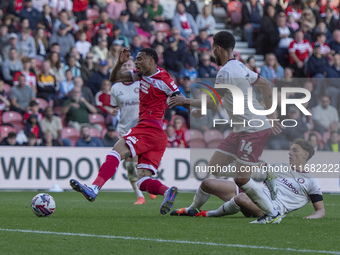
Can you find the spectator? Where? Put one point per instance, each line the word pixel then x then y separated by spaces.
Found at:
pixel 160 50
pixel 287 80
pixel 181 44
pixel 57 67
pixel 4 36
pixel 127 28
pixel 184 22
pixel 325 116
pixel 173 57
pixel 86 140
pixel 307 34
pixel 66 86
pixel 189 69
pixel 86 91
pixel 324 48
pixel 202 39
pixel 27 44
pixel 88 67
pixel 330 20
pixel 11 66
pixel 8 20
pixel 101 35
pixel 333 85
pixel 160 40
pixel 115 8
pixel 185 88
pixel 190 7
pixel 118 36
pixel 335 44
pixel 111 137
pixel 295 10
pixel 333 143
pixel 32 140
pixel 173 141
pixel 313 139
pixel 79 9
pixel 291 134
pixel 53 124
pixel 252 13
pixel 63 38
pixel 178 124
pixel 73 66
pixel 30 13
pixel 135 46
pixel 83 46
pixel 100 51
pixel 77 110
pixel 9 140
pixel 206 70
pixel 4 98
pixel 292 24
pixel 103 98
pixel 32 126
pixel 321 28
pixel 155 11
pixel 12 44
pixel 70 24
pixel 206 21
pixel 104 20
pixel 48 139
pixel 271 69
pixel 47 19
pixel 95 81
pixel 308 18
pixel 33 108
pixel 333 5
pixel 140 18
pixel 317 67
pixel 276 5
pixel 299 51
pixel 41 44
pixel 58 5
pixel 311 4
pixel 251 64
pixel 195 52
pixel 31 79
pixel 47 83
pixel 314 97
pixel 268 37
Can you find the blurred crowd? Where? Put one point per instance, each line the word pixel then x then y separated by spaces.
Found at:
pixel 56 57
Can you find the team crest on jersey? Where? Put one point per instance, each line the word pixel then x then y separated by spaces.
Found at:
pixel 301 180
pixel 136 90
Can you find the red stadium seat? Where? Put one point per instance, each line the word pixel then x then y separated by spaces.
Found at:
pixel 197 144
pixel 42 103
pixel 97 118
pixel 70 133
pixel 95 133
pixel 212 135
pixel 144 39
pixel 92 14
pixel 4 130
pixel 192 134
pixel 162 26
pixel 13 118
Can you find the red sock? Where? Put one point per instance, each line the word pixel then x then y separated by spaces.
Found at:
pixel 108 169
pixel 153 187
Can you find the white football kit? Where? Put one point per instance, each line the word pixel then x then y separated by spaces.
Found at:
pixel 126 97
pixel 236 73
pixel 295 189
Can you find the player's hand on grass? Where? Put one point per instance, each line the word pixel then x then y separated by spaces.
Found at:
pixel 178 100
pixel 124 55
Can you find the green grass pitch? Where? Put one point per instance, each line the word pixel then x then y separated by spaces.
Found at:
pixel 114 225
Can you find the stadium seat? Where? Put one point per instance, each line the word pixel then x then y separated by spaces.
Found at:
pixel 92 14
pixel 13 118
pixel 162 26
pixel 4 130
pixel 7 88
pixel 42 103
pixel 95 133
pixel 104 131
pixel 212 135
pixel 70 133
pixel 197 144
pixel 192 134
pixel 97 118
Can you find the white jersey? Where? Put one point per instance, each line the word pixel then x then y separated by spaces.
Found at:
pixel 126 97
pixel 294 190
pixel 236 73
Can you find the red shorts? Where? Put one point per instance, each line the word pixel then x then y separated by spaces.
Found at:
pixel 148 141
pixel 246 148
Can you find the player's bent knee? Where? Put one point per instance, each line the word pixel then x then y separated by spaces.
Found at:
pixel 241 181
pixel 206 184
pixel 241 199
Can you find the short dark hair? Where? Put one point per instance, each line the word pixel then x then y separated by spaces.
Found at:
pixel 305 145
pixel 12 135
pixel 150 52
pixel 225 40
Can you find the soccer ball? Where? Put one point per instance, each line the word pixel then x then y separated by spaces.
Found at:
pixel 43 205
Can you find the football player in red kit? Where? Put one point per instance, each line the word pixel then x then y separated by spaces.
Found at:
pixel 147 140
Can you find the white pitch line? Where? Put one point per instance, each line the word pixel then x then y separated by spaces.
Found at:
pixel 169 241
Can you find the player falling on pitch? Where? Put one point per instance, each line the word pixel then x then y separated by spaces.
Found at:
pixel 147 140
pixel 245 143
pixel 125 96
pixel 296 187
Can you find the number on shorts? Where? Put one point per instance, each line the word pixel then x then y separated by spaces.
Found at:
pixel 246 146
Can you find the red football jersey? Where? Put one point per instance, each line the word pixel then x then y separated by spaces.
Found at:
pixel 301 50
pixel 153 93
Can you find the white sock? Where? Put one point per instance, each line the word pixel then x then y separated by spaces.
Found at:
pixel 228 208
pixel 200 198
pixel 95 188
pixel 132 176
pixel 259 175
pixel 255 193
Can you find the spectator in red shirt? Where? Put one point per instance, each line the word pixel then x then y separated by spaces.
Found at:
pixel 295 10
pixel 179 131
pixel 79 9
pixel 299 51
pixel 33 108
pixel 173 141
pixel 104 19
pixel 32 126
pixel 103 98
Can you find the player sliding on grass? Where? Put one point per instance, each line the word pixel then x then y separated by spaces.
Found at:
pixel 245 143
pixel 295 189
pixel 147 140
pixel 125 96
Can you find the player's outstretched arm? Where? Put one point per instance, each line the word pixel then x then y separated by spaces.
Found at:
pixel 180 100
pixel 319 211
pixel 267 94
pixel 116 75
